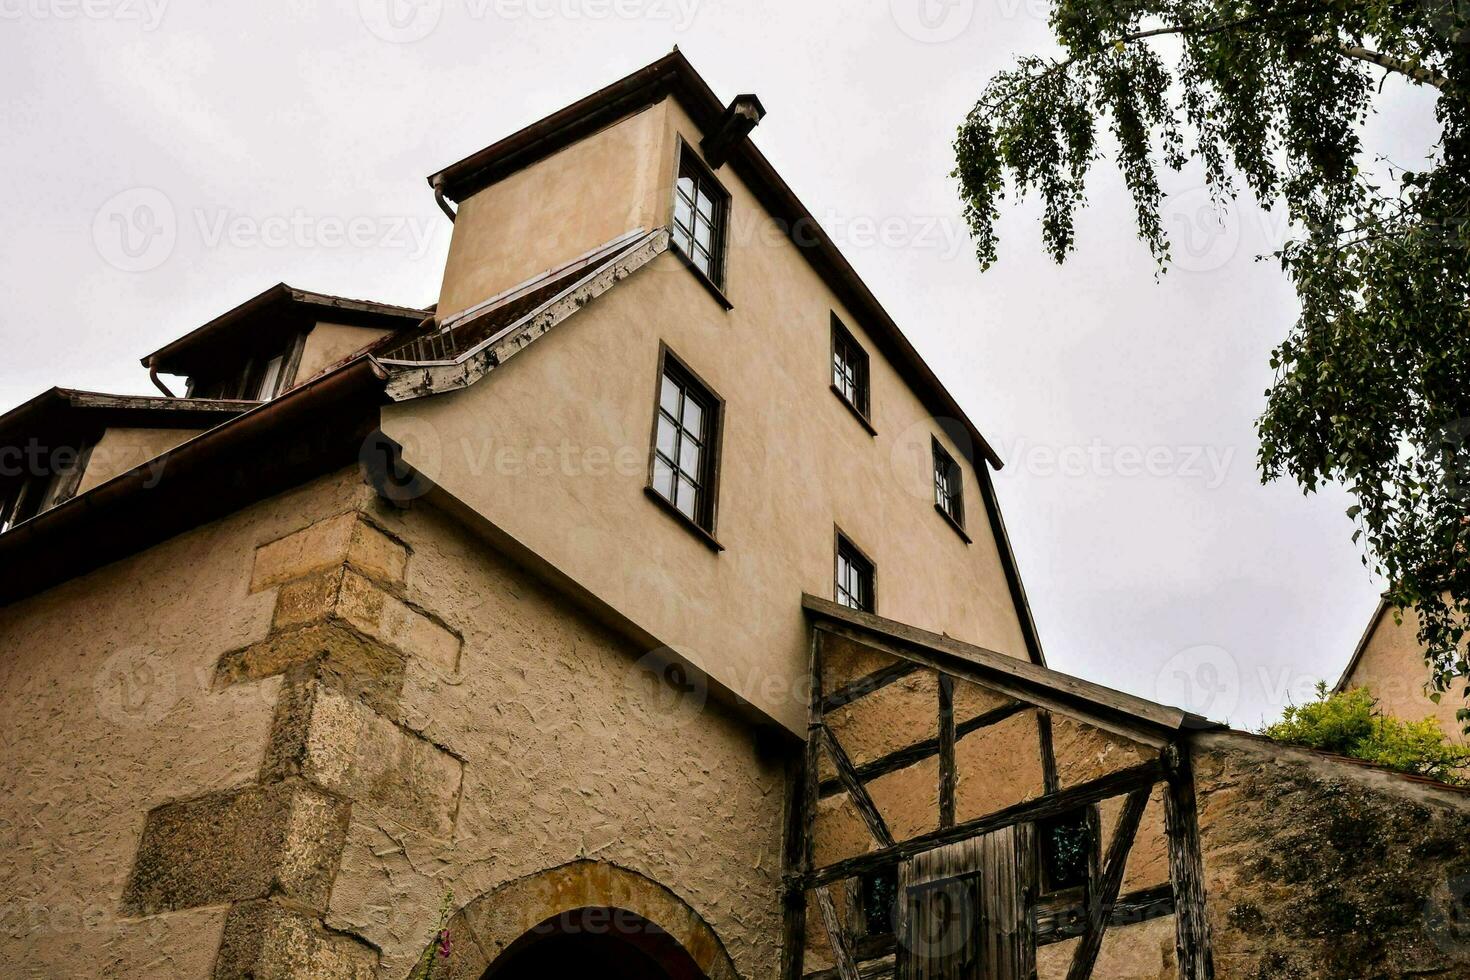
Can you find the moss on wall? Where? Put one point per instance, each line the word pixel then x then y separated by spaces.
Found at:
pixel 1320 868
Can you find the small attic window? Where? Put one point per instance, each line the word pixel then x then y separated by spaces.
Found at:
pixel 47 479
pixel 701 214
pixel 262 376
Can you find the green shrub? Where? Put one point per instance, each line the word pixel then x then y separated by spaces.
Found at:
pixel 1349 723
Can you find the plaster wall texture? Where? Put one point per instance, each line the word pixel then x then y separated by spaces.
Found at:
pixel 121 449
pixel 328 343
pixel 553 447
pixel 1392 668
pixel 570 749
pixel 107 710
pixel 550 213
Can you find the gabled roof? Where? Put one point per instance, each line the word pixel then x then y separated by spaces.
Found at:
pixel 62 413
pixel 1362 647
pixel 1131 716
pixel 674 76
pixel 281 309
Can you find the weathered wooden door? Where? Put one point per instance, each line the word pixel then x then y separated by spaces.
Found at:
pixel 965 913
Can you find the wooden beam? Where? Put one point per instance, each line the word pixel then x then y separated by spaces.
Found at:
pixel 864 686
pixel 1186 871
pixel 1058 920
pixel 836 937
pixel 947 738
pixel 1100 907
pixel 813 754
pixel 855 789
pixel 905 757
pixel 793 902
pixel 1059 698
pixel 1142 776
pixel 1048 753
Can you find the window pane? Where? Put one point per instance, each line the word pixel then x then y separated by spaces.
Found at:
pixel 689 457
pixel 663 478
pixel 668 436
pixel 703 233
pixel 683 211
pixel 694 417
pixel 700 260
pixel 687 188
pixel 688 502
pixel 706 203
pixel 668 397
pixel 682 240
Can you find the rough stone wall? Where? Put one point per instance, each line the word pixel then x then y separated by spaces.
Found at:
pixel 570 750
pixel 109 710
pixel 1320 868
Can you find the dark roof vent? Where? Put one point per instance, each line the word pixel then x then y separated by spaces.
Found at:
pixel 742 115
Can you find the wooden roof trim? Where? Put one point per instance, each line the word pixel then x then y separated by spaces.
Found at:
pixel 674 75
pixel 281 295
pixel 1362 647
pixel 1040 685
pixel 69 409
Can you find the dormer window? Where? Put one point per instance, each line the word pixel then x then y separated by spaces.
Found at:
pixel 701 210
pixel 260 377
pixel 39 482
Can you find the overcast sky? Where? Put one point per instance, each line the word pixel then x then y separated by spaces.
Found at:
pixel 251 144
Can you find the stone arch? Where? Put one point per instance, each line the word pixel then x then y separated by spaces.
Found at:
pixel 498 920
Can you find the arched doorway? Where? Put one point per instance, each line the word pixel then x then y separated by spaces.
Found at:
pixel 586 918
pixel 606 943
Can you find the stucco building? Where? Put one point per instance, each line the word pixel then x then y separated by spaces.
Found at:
pixel 1389 662
pixel 644 606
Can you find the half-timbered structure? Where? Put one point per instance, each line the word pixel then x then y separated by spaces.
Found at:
pixel 963 814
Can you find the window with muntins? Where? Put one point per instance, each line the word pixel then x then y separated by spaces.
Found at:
pixel 949 487
pixel 849 368
pixel 684 444
pixel 854 577
pixel 700 207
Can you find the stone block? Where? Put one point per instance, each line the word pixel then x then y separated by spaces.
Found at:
pixel 332 652
pixel 266 941
pixel 343 745
pixel 345 538
pixel 390 619
pixel 249 843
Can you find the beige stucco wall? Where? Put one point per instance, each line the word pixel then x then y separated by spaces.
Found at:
pixel 572 202
pixel 1392 667
pixel 553 449
pixel 122 449
pixel 328 343
pixel 111 706
pixel 569 751
pixel 106 710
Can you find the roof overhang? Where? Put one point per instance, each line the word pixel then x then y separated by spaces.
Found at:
pixel 673 75
pixel 280 310
pixel 63 414
pixel 320 427
pixel 1124 714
